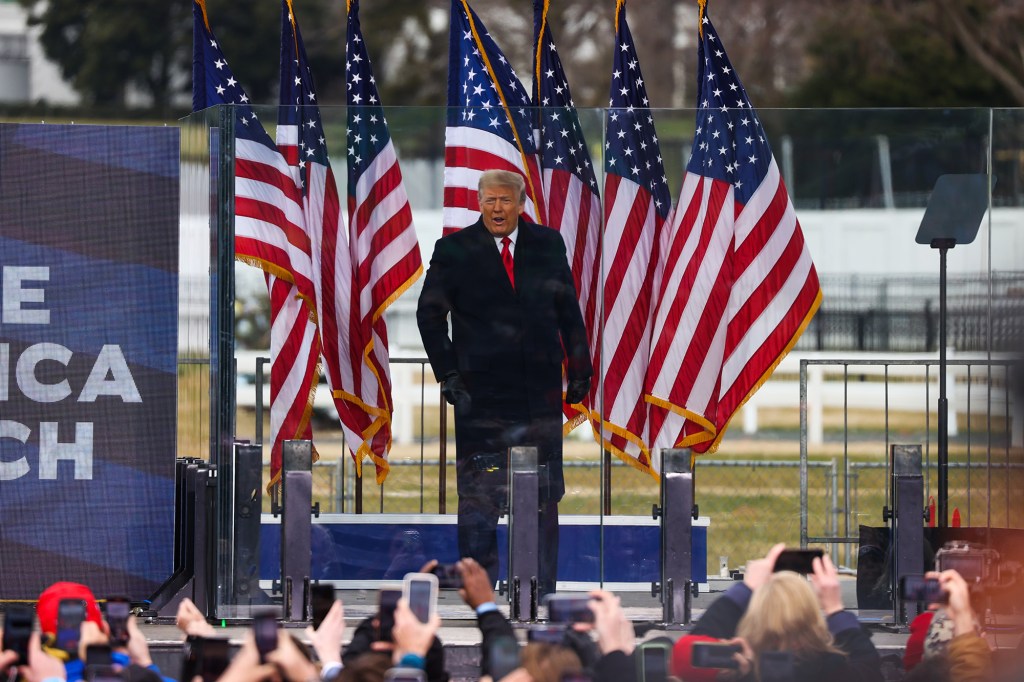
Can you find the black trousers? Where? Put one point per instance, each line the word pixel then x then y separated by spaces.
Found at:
pixel 482 473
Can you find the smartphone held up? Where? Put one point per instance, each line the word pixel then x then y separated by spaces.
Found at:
pixel 798 560
pixel 420 591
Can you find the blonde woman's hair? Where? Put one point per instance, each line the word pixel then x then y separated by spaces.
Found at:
pixel 501 178
pixel 549 662
pixel 784 615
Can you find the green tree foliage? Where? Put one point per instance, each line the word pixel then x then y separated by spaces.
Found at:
pixel 802 52
pixel 871 54
pixel 105 46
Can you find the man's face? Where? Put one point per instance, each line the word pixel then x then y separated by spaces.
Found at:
pixel 500 208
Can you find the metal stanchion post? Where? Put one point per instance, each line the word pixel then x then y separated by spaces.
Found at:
pixel 248 500
pixel 522 532
pixel 907 525
pixel 676 512
pixel 296 525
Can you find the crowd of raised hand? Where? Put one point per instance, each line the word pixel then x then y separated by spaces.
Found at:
pixel 773 626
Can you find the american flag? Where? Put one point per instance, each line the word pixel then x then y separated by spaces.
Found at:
pixel 569 185
pixel 385 252
pixel 637 204
pixel 738 286
pixel 269 233
pixel 300 136
pixel 490 125
pixel 268 221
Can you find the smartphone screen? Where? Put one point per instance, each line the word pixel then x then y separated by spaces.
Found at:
pixel 655 664
pixel 919 588
pixel 97 655
pixel 322 598
pixel 798 560
pixel 421 591
pixel 448 576
pixel 118 611
pixel 70 615
pixel 569 609
pixel 17 630
pixel 264 627
pixel 387 600
pixel 709 655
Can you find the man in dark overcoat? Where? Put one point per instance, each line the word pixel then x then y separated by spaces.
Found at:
pixel 507 286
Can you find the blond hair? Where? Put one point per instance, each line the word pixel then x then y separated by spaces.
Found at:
pixel 784 615
pixel 549 662
pixel 501 178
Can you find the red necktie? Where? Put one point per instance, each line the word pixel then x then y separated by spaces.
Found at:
pixel 506 259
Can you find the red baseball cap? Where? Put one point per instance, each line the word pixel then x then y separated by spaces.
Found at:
pixel 681 657
pixel 914 648
pixel 49 600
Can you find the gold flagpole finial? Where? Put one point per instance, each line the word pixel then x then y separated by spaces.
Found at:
pixel 703 4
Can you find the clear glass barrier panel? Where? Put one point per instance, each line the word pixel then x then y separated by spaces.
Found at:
pixel 859 181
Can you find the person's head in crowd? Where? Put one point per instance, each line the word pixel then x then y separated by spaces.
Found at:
pixel 48 607
pixel 930 634
pixel 370 667
pixel 784 615
pixel 951 639
pixel 366 641
pixel 549 662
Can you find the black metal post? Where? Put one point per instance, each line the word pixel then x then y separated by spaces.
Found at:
pixel 907 537
pixel 676 513
pixel 296 525
pixel 943 245
pixel 523 531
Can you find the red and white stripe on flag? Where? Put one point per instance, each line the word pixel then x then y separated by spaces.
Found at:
pixel 387 261
pixel 573 206
pixel 637 204
pixel 269 228
pixel 740 289
pixel 632 226
pixel 575 211
pixel 294 370
pixel 736 285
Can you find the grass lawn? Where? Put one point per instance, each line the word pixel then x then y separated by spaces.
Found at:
pixel 750 506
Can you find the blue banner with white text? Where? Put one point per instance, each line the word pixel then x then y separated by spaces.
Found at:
pixel 88 342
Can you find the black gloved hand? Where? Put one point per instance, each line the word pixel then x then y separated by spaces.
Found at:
pixel 454 391
pixel 577 390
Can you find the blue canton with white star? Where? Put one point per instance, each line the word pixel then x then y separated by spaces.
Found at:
pixel 631 143
pixel 729 143
pixel 367 129
pixel 298 92
pixel 473 98
pixel 562 143
pixel 210 68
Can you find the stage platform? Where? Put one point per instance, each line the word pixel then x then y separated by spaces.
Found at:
pixel 461 638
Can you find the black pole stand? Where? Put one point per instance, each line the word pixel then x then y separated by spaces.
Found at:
pixel 943 245
pixel 955 209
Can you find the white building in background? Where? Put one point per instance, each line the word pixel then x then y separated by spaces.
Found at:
pixel 26 75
